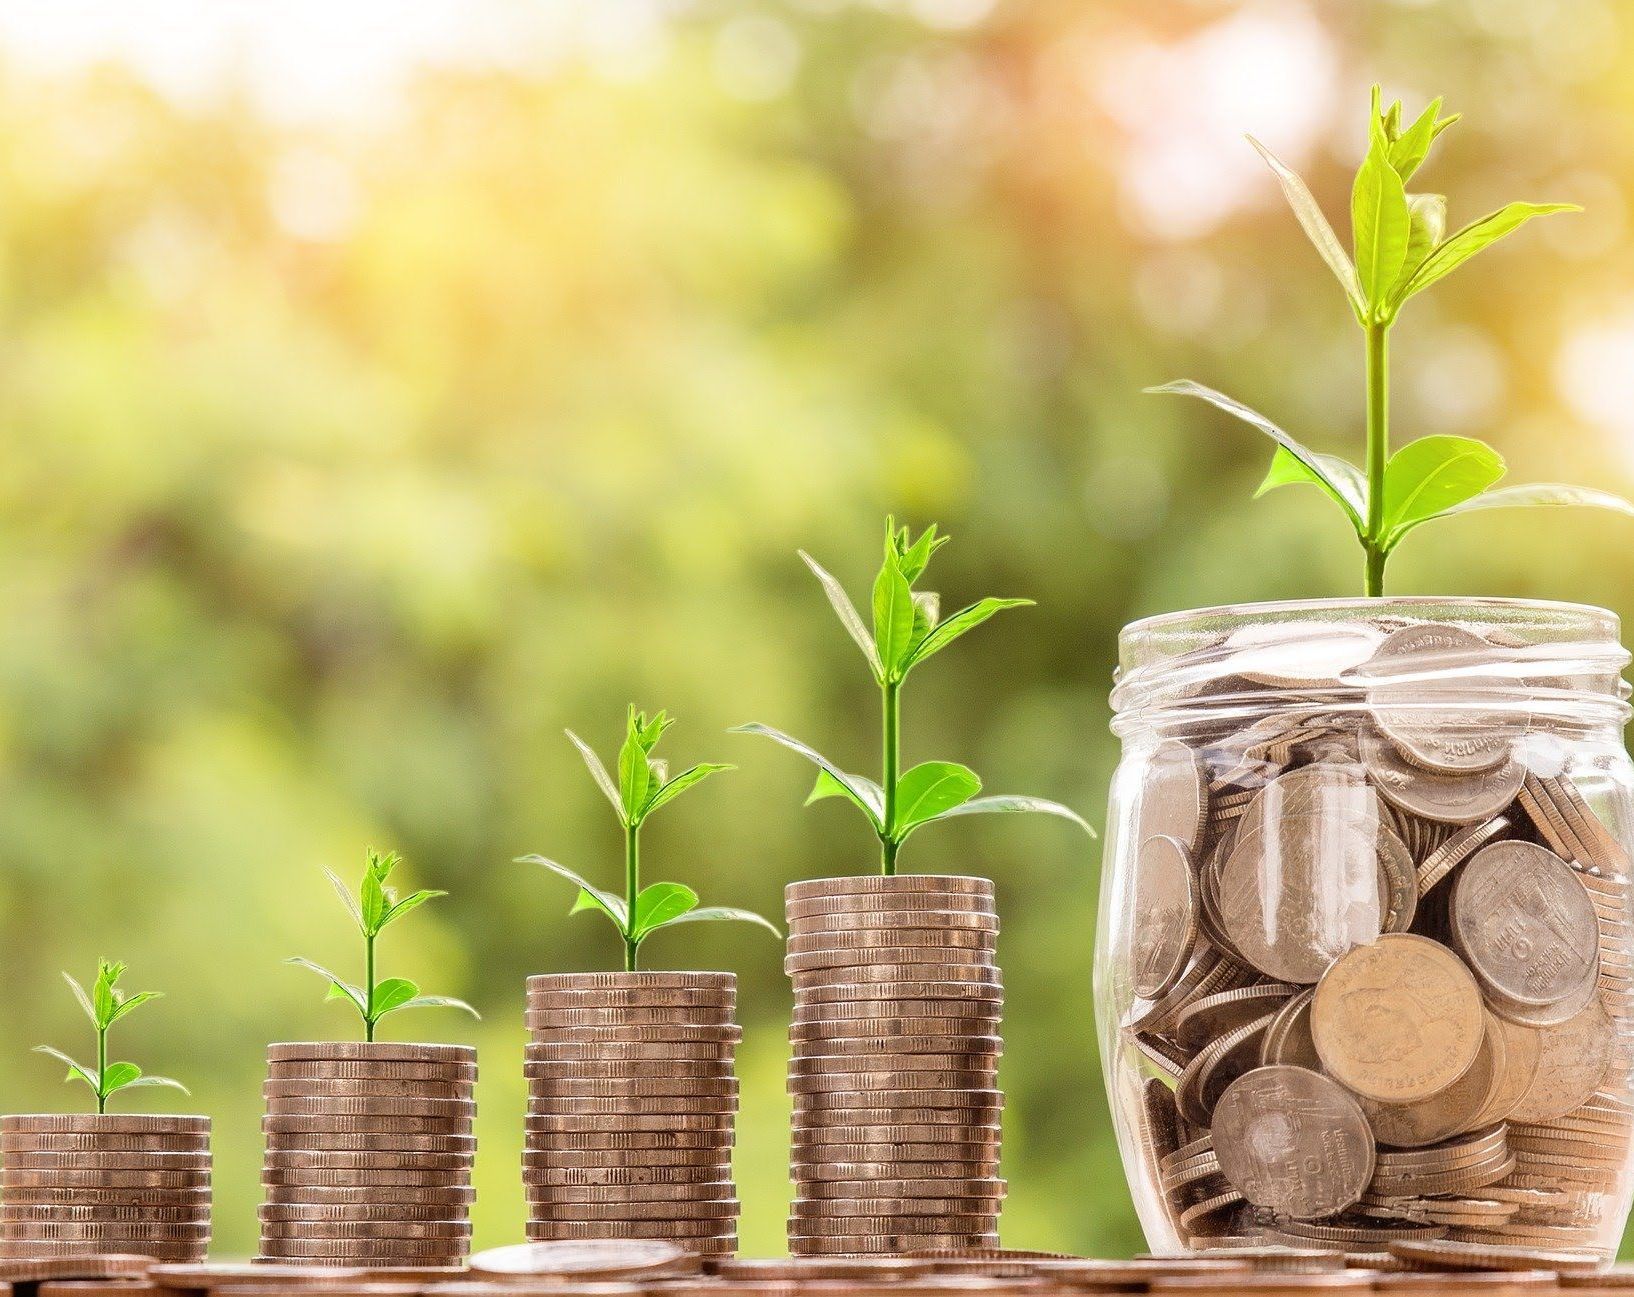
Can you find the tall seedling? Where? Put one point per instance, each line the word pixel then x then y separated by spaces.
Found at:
pixel 907 630
pixel 1401 248
pixel 643 786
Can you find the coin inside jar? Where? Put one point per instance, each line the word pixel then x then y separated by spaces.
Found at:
pixel 1526 925
pixel 1294 1141
pixel 1399 1020
pixel 1298 892
pixel 1421 681
pixel 1165 914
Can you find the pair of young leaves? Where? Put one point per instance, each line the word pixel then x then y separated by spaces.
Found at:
pixel 643 785
pixel 1400 249
pixel 105 1004
pixel 907 630
pixel 375 907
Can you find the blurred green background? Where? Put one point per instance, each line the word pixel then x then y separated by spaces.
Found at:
pixel 383 388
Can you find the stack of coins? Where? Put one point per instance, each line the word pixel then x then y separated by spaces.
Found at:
pixel 369 1152
pixel 76 1185
pixel 1377 947
pixel 632 1102
pixel 896 1038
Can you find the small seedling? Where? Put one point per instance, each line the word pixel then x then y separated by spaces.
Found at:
pixel 1401 248
pixel 373 909
pixel 906 631
pixel 643 786
pixel 105 1005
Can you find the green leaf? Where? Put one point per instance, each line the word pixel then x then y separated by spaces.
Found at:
pixel 828 786
pixel 1431 475
pixel 1409 149
pixel 634 774
pixel 966 619
pixel 1011 804
pixel 103 994
pixel 436 1002
pixel 866 796
pixel 116 1076
pixel 1460 247
pixel 683 781
pixel 392 993
pixel 75 1070
pixel 149 1081
pixel 1380 225
pixel 1536 495
pixel 847 612
pixel 1315 225
pixel 80 995
pixel 1341 487
pixel 133 1002
pixel 913 557
pixel 1285 470
pixel 931 789
pixel 893 618
pixel 661 903
pixel 604 781
pixel 413 901
pixel 346 897
pixel 590 896
pixel 372 899
pixel 727 914
pixel 339 987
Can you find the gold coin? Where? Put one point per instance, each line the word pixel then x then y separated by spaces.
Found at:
pixel 1398 1020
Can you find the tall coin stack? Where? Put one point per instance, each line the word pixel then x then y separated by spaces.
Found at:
pixel 78 1185
pixel 369 1151
pixel 632 1101
pixel 897 1003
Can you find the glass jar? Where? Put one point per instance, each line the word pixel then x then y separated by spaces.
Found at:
pixel 1364 962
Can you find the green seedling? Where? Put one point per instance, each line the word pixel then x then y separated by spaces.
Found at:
pixel 906 631
pixel 1400 249
pixel 375 908
pixel 643 786
pixel 105 1005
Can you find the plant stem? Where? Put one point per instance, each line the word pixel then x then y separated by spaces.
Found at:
pixel 632 889
pixel 101 1070
pixel 893 762
pixel 368 986
pixel 1378 452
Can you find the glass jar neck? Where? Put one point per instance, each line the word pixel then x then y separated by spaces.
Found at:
pixel 1458 663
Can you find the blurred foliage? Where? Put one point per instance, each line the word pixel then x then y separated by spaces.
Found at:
pixel 341 467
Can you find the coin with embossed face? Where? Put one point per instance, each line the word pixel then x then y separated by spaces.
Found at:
pixel 1165 914
pixel 1454 1109
pixel 1526 925
pixel 1399 1020
pixel 1297 893
pixel 1293 1141
pixel 1444 798
pixel 1421 683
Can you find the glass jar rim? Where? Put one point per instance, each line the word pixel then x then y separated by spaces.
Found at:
pixel 1168 660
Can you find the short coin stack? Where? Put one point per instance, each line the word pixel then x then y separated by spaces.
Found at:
pixel 632 1102
pixel 897 1004
pixel 77 1185
pixel 369 1151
